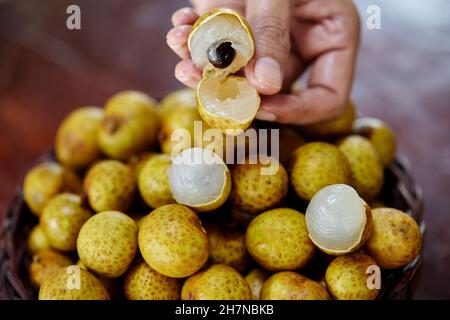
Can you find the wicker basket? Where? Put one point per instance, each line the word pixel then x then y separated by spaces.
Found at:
pixel 400 191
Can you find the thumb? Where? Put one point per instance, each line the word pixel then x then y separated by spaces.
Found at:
pixel 270 21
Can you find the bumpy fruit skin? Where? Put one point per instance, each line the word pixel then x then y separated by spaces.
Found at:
pixel 56 288
pixel 175 119
pixel 110 185
pixel 181 98
pixel 76 140
pixel 62 219
pixel 381 136
pixel 217 282
pixel 144 283
pixel 37 240
pixel 44 264
pixel 367 173
pixel 255 280
pixel 227 246
pixel 347 278
pixel 137 162
pixel 130 126
pixel 44 181
pixel 395 240
pixel 107 243
pixel 288 285
pixel 173 242
pixel 255 192
pixel 153 181
pixel 337 126
pixel 317 165
pixel 278 240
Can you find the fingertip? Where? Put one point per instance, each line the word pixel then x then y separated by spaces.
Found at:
pixel 176 39
pixel 184 16
pixel 187 73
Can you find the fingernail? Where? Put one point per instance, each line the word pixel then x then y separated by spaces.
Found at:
pixel 268 73
pixel 265 116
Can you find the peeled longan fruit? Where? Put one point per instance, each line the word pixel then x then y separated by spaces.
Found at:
pixel 288 285
pixel 221 43
pixel 395 240
pixel 144 283
pixel 347 277
pixel 199 179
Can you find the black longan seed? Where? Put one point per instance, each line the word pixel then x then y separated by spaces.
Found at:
pixel 221 54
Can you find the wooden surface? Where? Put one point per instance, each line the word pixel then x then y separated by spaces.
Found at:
pixel 403 77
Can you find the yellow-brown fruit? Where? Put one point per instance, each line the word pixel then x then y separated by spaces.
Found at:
pixel 153 181
pixel 260 186
pixel 130 126
pixel 337 126
pixel 288 285
pixel 62 219
pixel 255 280
pixel 181 98
pixel 217 282
pixel 64 285
pixel 367 172
pixel 381 136
pixel 107 243
pixel 44 264
pixel 278 240
pixel 396 239
pixel 144 283
pixel 227 246
pixel 317 165
pixel 76 143
pixel 181 119
pixel 44 181
pixel 137 162
pixel 173 242
pixel 347 277
pixel 110 185
pixel 37 240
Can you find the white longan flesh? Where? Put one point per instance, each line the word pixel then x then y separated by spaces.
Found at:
pixel 232 97
pixel 226 27
pixel 197 176
pixel 336 217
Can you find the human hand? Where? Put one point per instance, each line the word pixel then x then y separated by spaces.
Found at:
pixel 290 37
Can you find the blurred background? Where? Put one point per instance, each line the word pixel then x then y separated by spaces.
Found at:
pixel 46 70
